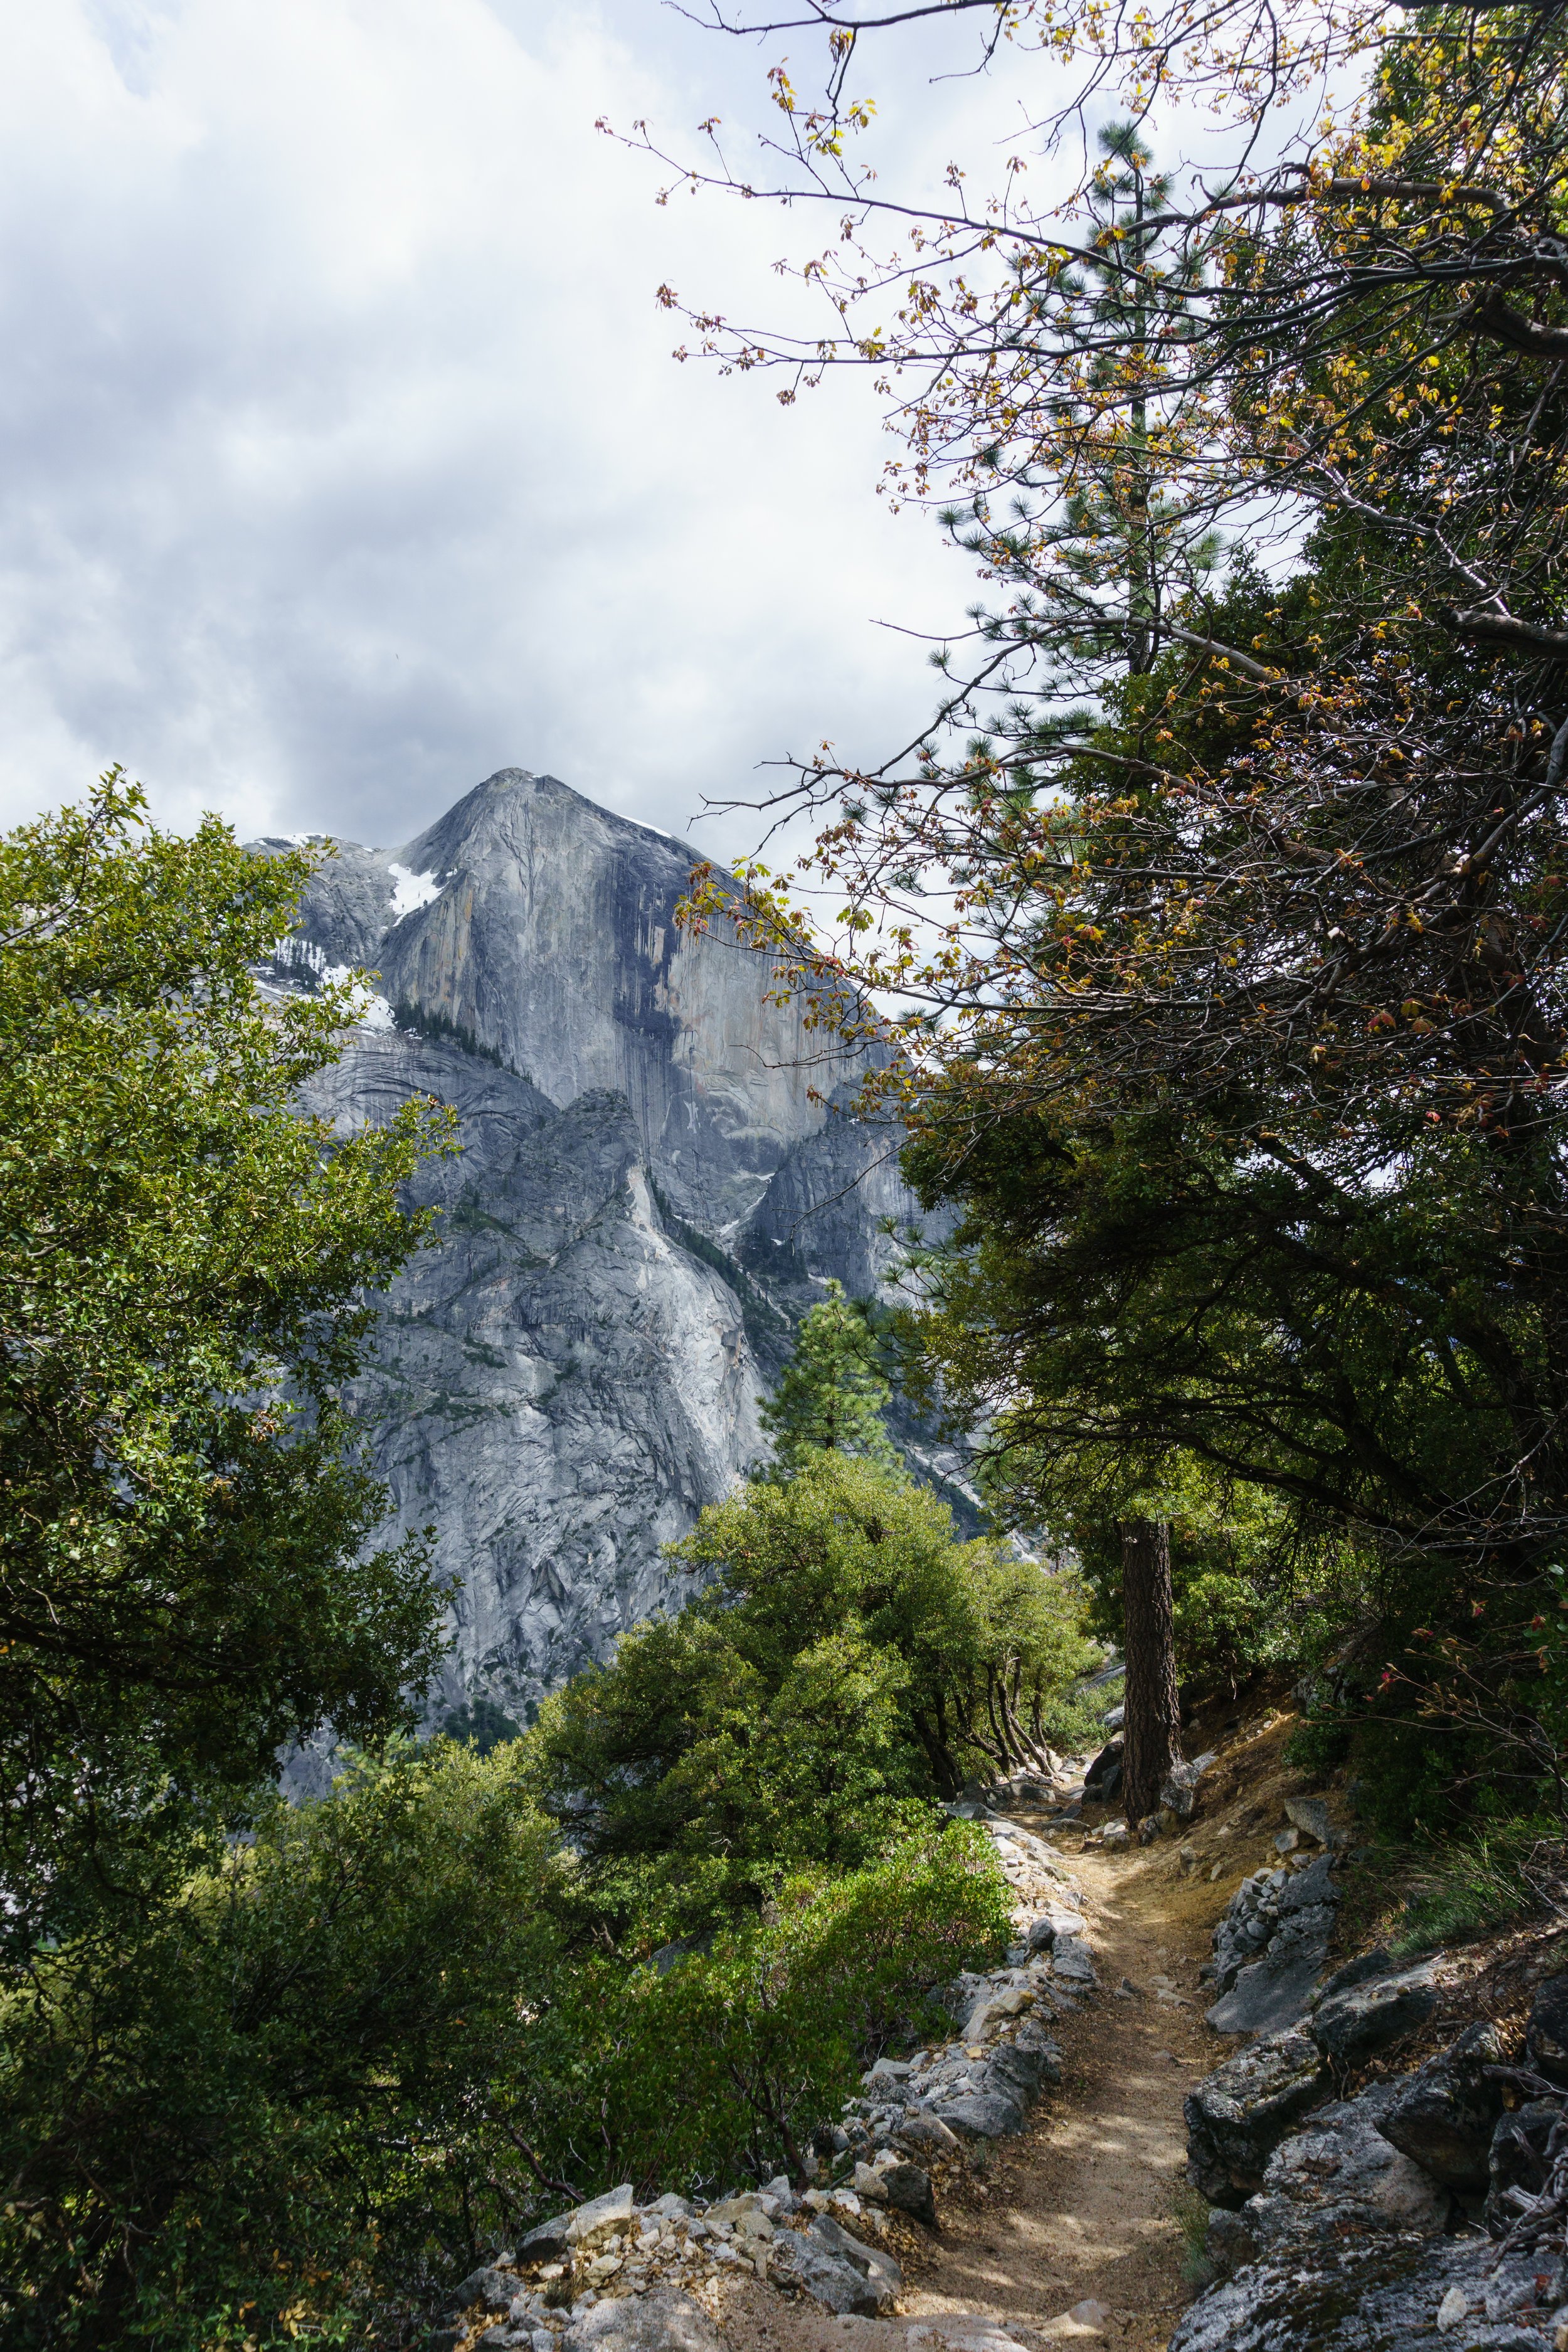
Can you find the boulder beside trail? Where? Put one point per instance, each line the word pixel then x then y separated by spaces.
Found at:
pixel 1179 1789
pixel 1238 2115
pixel 1546 2035
pixel 1339 2177
pixel 1443 2115
pixel 660 2322
pixel 906 2188
pixel 1311 1816
pixel 984 2114
pixel 1349 2026
pixel 804 2259
pixel 1379 2293
pixel 1270 1948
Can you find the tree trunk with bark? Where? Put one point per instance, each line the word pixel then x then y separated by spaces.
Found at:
pixel 1150 1728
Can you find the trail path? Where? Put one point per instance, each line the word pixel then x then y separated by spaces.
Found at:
pixel 1082 2203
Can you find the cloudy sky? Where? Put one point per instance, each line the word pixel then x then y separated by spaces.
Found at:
pixel 345 460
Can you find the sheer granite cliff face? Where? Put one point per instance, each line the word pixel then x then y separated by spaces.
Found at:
pixel 647 1196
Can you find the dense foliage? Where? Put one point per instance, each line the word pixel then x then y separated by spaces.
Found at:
pixel 847 1661
pixel 186 1574
pixel 1221 908
pixel 364 2047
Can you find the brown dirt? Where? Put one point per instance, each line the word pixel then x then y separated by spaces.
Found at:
pixel 1084 2204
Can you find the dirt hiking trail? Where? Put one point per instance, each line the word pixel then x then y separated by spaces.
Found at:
pixel 1082 2205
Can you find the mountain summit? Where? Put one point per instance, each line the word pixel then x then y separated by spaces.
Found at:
pixel 541 931
pixel 647 1195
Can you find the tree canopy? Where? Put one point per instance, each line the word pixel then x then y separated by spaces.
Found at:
pixel 832 1393
pixel 1219 931
pixel 188 1577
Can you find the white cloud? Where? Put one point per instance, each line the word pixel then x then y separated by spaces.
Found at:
pixel 344 459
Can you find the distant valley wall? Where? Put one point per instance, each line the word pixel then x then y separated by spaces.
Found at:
pixel 647 1196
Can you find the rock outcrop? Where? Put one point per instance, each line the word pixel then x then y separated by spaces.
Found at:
pixel 1365 2224
pixel 1270 1947
pixel 651 1188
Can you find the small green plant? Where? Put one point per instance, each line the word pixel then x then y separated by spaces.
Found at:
pixel 1192 2218
pixel 1485 1878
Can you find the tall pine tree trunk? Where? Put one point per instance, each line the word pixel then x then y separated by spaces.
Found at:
pixel 1151 1727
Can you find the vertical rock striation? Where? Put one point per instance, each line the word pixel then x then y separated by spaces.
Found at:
pixel 650 1188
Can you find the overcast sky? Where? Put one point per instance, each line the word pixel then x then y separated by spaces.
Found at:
pixel 345 461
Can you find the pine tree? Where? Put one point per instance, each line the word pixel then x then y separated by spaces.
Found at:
pixel 833 1392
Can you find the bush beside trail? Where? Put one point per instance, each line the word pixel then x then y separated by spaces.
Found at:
pixel 370 2045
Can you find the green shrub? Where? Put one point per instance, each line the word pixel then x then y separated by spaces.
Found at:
pixel 369 2045
pixel 1074 1722
pixel 1317 1745
pixel 1482 1879
pixel 718 2069
pixel 848 1662
pixel 264 2114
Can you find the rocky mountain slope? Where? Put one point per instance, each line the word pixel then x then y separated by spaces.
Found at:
pixel 650 1189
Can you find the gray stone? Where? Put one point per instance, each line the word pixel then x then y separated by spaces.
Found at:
pixel 1359 1971
pixel 1348 2026
pixel 870 2260
pixel 662 2321
pixel 1377 2292
pixel 1179 1789
pixel 1018 2069
pixel 1443 2115
pixel 1072 1959
pixel 922 2134
pixel 1341 2175
pixel 610 2211
pixel 1272 1994
pixel 802 2258
pixel 907 2187
pixel 1228 2241
pixel 1546 2034
pixel 1042 1934
pixel 1237 2115
pixel 1311 1815
pixel 548 2243
pixel 491 2287
pixel 1280 1920
pixel 983 2114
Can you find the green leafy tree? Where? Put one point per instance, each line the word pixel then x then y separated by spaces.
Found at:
pixel 833 1392
pixel 719 2066
pixel 260 2112
pixel 848 1662
pixel 187 1574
